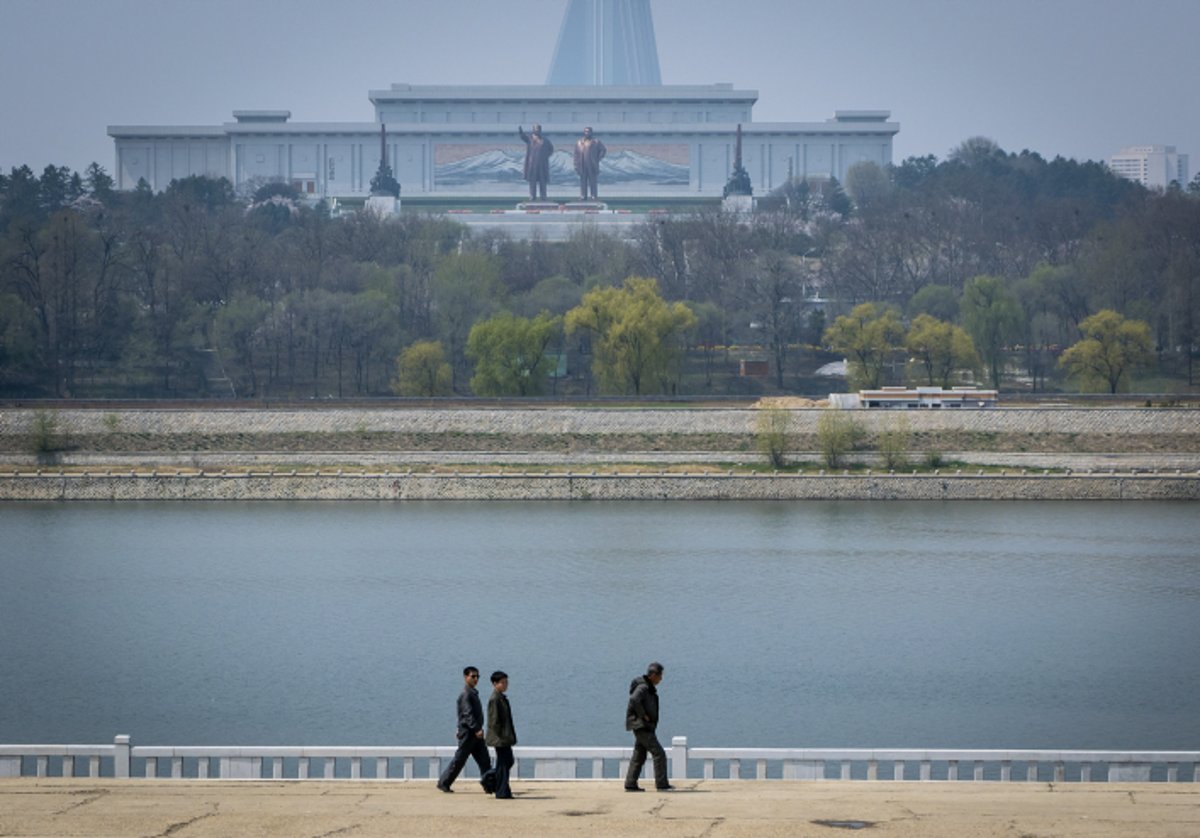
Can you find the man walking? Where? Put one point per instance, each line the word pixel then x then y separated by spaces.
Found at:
pixel 469 733
pixel 641 717
pixel 501 734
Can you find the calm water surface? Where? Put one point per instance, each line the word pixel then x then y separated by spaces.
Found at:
pixel 780 624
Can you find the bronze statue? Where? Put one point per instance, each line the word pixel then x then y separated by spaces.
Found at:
pixel 537 161
pixel 739 178
pixel 588 153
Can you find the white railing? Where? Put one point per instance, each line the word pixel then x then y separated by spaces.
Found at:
pixel 122 759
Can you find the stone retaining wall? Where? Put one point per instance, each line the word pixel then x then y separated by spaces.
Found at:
pixel 573 430
pixel 392 487
pixel 591 421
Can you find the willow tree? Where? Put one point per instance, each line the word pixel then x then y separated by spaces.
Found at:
pixel 993 318
pixel 422 370
pixel 939 349
pixel 1111 348
pixel 638 338
pixel 510 354
pixel 868 336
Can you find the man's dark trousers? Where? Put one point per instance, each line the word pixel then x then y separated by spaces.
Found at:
pixel 504 763
pixel 646 741
pixel 470 746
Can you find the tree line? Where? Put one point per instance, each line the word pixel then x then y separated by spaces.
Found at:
pixel 985 266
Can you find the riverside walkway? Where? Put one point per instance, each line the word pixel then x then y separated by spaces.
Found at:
pixel 97 807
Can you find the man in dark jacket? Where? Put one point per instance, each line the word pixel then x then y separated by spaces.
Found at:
pixel 641 717
pixel 501 734
pixel 469 733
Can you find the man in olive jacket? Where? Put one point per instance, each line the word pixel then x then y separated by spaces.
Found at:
pixel 641 717
pixel 501 734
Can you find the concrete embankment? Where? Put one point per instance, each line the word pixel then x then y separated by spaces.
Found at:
pixel 388 453
pixel 592 486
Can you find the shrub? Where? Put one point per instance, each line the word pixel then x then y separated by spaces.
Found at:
pixel 894 443
pixel 837 435
pixel 771 434
pixel 46 440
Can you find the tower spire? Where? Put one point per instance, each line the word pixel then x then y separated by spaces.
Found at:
pixel 606 42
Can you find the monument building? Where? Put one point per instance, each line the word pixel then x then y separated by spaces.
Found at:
pixel 462 141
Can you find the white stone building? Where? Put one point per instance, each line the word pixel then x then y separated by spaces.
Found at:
pixel 1153 166
pixel 664 141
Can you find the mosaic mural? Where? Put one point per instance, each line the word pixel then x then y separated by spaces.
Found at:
pixel 641 164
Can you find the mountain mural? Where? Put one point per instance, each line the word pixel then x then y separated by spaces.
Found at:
pixel 505 167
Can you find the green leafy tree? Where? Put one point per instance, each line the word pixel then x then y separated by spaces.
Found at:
pixel 1111 348
pixel 237 335
pixel 510 354
pixel 939 349
pixel 466 288
pixel 937 300
pixel 993 318
pixel 422 370
pixel 637 336
pixel 868 336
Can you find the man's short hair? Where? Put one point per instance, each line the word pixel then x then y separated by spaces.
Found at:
pixel 655 668
pixel 469 669
pixel 498 676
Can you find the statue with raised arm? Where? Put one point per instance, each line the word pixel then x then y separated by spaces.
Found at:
pixel 589 151
pixel 537 161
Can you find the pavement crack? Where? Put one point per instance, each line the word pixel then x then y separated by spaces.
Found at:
pixel 708 830
pixel 92 796
pixel 176 827
pixel 341 831
pixel 657 810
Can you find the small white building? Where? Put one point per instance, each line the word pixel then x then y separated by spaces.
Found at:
pixel 916 398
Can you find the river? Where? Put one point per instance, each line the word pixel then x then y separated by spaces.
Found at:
pixel 856 624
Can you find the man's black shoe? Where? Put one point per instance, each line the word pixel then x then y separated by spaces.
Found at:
pixel 634 788
pixel 446 789
pixel 664 788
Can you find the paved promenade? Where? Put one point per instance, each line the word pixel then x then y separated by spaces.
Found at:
pixel 193 809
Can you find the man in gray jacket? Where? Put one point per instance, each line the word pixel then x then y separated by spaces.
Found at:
pixel 641 717
pixel 469 733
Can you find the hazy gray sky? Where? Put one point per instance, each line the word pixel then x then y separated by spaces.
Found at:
pixel 1077 78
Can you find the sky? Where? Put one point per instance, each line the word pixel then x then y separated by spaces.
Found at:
pixel 1076 78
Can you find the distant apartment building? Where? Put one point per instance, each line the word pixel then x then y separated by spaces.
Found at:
pixel 1153 166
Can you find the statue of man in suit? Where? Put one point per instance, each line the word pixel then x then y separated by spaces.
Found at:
pixel 589 151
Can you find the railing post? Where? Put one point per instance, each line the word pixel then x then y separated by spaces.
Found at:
pixel 121 757
pixel 679 757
